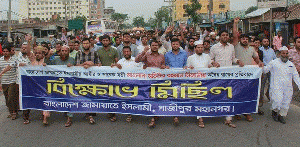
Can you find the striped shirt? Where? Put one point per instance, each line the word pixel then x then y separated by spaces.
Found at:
pixel 81 57
pixel 10 76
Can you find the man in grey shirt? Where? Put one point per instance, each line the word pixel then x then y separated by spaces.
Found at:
pixel 126 42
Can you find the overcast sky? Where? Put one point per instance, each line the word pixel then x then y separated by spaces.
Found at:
pixel 134 8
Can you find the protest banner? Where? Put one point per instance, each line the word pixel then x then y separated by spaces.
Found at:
pixel 207 92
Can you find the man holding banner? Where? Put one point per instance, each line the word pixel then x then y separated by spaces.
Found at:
pixel 65 59
pixel 153 59
pixel 222 55
pixel 128 62
pixel 87 58
pixel 197 61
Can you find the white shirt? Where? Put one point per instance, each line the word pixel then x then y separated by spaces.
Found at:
pixel 224 55
pixel 198 61
pixel 126 64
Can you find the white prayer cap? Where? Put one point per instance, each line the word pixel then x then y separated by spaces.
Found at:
pixel 212 33
pixel 284 48
pixel 198 42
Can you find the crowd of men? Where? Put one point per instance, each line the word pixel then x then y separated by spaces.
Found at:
pixel 173 48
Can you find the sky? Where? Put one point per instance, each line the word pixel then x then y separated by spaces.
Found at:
pixel 134 8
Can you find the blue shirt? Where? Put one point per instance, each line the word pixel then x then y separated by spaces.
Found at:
pixel 176 61
pixel 269 55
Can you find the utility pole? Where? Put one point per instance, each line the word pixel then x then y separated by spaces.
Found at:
pixel 9 19
pixel 210 9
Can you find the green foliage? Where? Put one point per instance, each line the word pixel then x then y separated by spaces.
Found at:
pixel 151 23
pixel 119 18
pixel 138 21
pixel 251 9
pixel 191 10
pixel 82 18
pixel 163 14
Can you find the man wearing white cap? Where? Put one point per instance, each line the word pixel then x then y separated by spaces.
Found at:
pixel 283 72
pixel 199 60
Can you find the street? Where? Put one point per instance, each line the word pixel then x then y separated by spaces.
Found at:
pixel 263 131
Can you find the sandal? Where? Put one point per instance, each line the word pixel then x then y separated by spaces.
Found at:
pixel 230 124
pixel 129 118
pixel 91 120
pixel 45 122
pixel 238 117
pixel 68 123
pixel 176 121
pixel 13 116
pixel 152 123
pixel 26 121
pixel 113 119
pixel 201 124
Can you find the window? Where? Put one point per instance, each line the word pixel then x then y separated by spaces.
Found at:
pixel 54 2
pixel 33 3
pixel 50 3
pixel 185 15
pixel 42 3
pixel 42 8
pixel 29 9
pixel 50 8
pixel 46 3
pixel 51 13
pixel 54 8
pixel 33 13
pixel 54 13
pixel 222 6
pixel 59 7
pixel 38 14
pixel 37 3
pixel 43 13
pixel 46 8
pixel 33 8
pixel 59 12
pixel 37 8
pixel 58 2
pixel 47 13
pixel 28 14
pixel 29 3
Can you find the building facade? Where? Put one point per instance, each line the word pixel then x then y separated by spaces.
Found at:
pixel 108 12
pixel 219 6
pixel 271 3
pixel 46 9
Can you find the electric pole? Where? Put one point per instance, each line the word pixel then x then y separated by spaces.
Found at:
pixel 9 19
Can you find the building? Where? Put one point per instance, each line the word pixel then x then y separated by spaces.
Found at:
pixel 271 3
pixel 45 9
pixel 108 12
pixel 219 6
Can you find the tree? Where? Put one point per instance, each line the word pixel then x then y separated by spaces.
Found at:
pixel 119 18
pixel 151 23
pixel 293 2
pixel 162 14
pixel 191 10
pixel 251 9
pixel 83 18
pixel 139 21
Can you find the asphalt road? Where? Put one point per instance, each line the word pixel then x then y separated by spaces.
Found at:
pixel 263 131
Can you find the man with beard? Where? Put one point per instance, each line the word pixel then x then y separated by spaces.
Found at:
pixel 223 55
pixel 283 72
pixel 127 62
pixel 108 55
pixel 87 58
pixel 197 61
pixel 152 59
pixel 268 55
pixel 190 47
pixel 176 58
pixel 127 42
pixel 245 53
pixel 65 59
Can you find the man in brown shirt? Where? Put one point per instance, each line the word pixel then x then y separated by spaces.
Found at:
pixel 152 59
